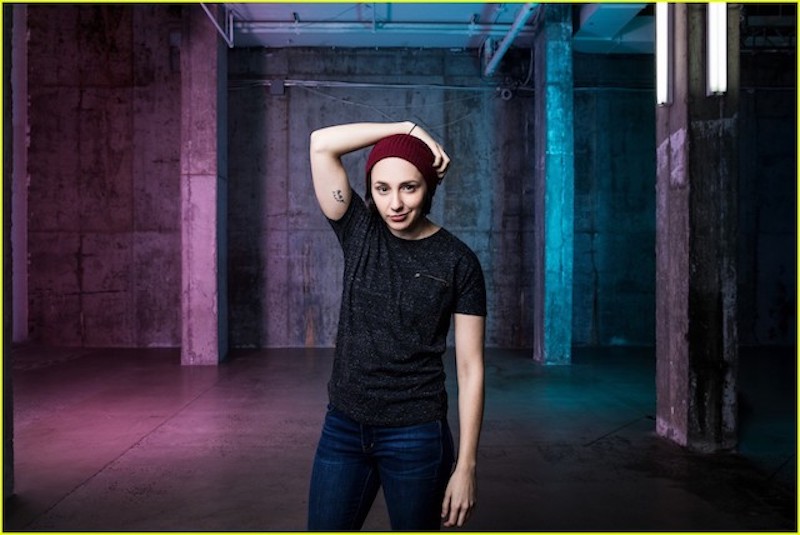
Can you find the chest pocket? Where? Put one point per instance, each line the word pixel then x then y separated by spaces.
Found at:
pixel 424 304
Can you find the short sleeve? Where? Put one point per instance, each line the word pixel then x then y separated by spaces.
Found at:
pixel 355 218
pixel 471 287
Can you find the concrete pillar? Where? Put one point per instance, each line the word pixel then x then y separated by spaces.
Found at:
pixel 554 186
pixel 19 176
pixel 204 181
pixel 11 33
pixel 696 337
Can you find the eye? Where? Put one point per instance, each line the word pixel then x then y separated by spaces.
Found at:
pixel 411 188
pixel 381 188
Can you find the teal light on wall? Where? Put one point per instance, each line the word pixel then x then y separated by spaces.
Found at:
pixel 559 186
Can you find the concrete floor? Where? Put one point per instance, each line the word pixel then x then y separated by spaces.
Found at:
pixel 112 440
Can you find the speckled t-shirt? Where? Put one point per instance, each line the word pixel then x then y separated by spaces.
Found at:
pixel 397 301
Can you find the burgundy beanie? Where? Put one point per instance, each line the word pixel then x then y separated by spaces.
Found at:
pixel 410 148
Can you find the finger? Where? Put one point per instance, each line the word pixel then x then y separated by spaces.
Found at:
pixel 461 515
pixel 450 509
pixel 454 517
pixel 440 159
pixel 447 512
pixel 445 159
pixel 444 165
pixel 462 519
pixel 441 169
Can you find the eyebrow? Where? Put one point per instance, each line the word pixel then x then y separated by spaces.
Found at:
pixel 404 183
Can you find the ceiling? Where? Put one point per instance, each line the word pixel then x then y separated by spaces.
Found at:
pixel 598 28
pixel 601 28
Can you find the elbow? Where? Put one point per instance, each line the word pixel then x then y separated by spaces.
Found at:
pixel 316 142
pixel 471 369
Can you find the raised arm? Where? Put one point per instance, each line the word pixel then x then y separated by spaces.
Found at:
pixel 460 495
pixel 328 145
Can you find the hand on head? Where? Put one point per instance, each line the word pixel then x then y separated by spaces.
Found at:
pixel 441 161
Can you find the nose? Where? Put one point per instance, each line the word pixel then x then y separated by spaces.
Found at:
pixel 396 202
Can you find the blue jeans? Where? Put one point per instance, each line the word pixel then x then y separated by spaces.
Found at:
pixel 353 461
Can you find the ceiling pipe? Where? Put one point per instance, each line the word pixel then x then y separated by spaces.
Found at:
pixel 410 28
pixel 523 15
pixel 228 15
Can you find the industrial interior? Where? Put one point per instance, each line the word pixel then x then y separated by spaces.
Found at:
pixel 626 174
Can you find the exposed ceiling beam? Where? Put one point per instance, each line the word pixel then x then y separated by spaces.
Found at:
pixel 227 32
pixel 605 28
pixel 420 34
pixel 635 38
pixel 524 13
pixel 606 20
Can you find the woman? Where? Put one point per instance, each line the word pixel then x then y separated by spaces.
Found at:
pixel 404 278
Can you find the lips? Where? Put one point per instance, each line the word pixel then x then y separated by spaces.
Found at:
pixel 398 218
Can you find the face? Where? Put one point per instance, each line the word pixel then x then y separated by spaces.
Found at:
pixel 398 191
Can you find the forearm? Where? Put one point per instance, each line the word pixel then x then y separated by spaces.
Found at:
pixel 328 145
pixel 342 139
pixel 470 414
pixel 470 374
pixel 460 495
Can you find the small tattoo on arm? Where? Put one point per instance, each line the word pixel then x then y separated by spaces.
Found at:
pixel 337 194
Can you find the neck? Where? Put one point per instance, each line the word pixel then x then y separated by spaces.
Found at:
pixel 423 229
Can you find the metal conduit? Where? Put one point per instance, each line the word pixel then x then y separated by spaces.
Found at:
pixel 523 15
pixel 445 28
pixel 226 35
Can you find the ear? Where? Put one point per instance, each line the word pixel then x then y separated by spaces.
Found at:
pixel 368 193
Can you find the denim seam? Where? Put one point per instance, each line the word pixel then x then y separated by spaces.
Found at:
pixel 363 499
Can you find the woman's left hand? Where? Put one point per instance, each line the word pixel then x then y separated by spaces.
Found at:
pixel 441 161
pixel 459 498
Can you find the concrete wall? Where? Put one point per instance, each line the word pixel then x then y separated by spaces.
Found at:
pixel 285 262
pixel 614 279
pixel 104 236
pixel 9 23
pixel 767 252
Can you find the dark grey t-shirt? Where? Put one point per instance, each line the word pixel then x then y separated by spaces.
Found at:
pixel 397 301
